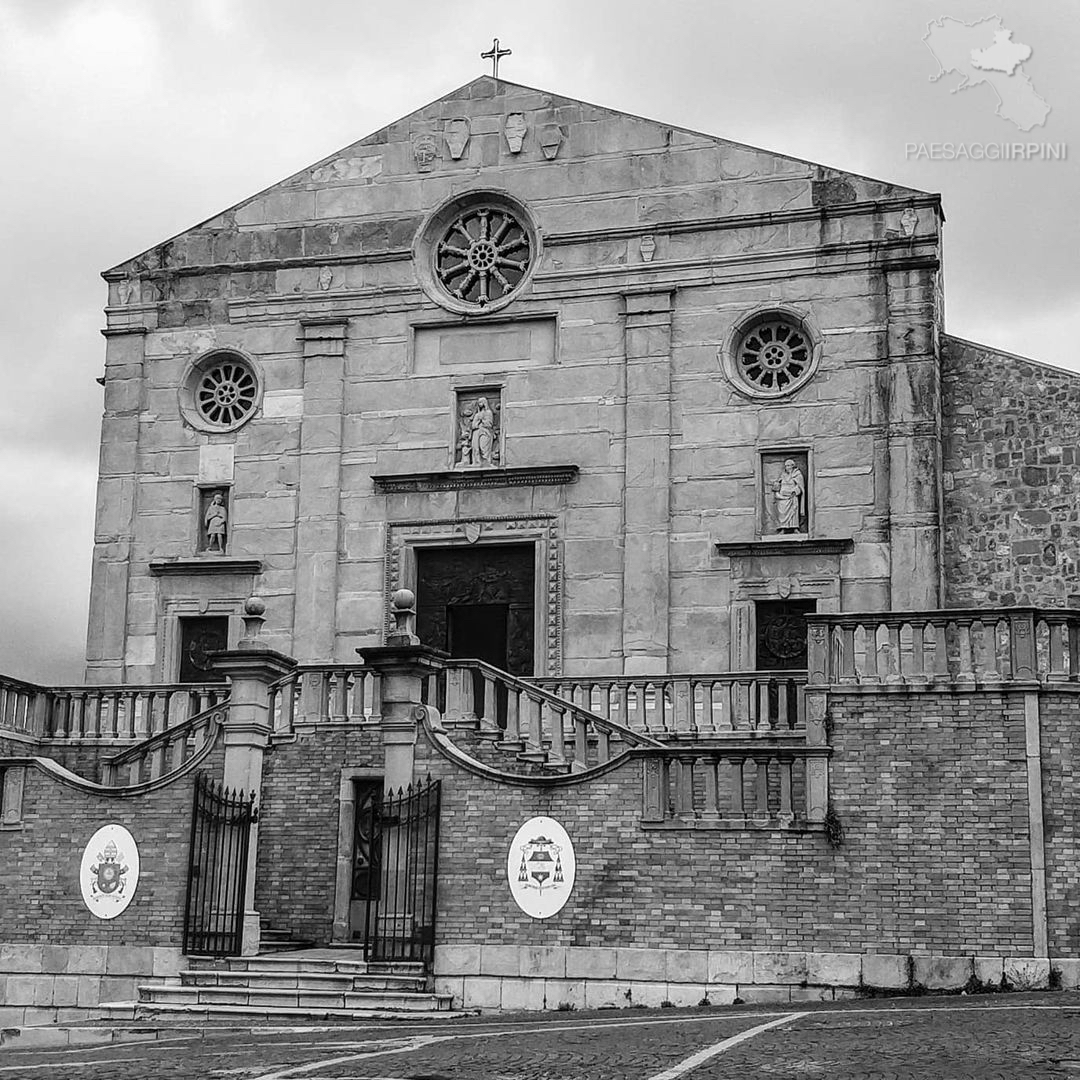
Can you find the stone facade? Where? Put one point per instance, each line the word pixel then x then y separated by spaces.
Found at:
pixel 657 397
pixel 653 250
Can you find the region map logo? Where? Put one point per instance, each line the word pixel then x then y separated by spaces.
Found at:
pixel 984 52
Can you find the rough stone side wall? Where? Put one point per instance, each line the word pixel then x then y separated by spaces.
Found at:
pixel 1012 515
pixel 1061 811
pixel 298 827
pixel 930 790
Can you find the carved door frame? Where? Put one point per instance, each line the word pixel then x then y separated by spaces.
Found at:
pixel 405 537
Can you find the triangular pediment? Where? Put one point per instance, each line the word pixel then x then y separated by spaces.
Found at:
pixel 546 149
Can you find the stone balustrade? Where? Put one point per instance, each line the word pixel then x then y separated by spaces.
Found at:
pixel 166 752
pixel 737 785
pixel 78 713
pixel 325 694
pixel 692 706
pixel 976 647
pixel 527 718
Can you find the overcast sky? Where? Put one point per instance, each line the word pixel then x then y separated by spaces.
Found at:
pixel 126 122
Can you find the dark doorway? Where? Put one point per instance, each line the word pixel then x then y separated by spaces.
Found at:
pixel 367 859
pixel 781 634
pixel 199 637
pixel 478 603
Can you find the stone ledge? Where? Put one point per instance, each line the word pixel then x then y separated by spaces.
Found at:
pixel 208 565
pixel 787 545
pixel 459 479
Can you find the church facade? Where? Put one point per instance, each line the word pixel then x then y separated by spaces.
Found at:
pixel 639 469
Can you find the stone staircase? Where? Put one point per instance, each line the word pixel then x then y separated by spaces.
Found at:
pixel 314 984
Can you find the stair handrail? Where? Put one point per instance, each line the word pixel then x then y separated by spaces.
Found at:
pixel 213 718
pixel 538 693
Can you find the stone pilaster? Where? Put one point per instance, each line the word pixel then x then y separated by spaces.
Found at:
pixel 914 429
pixel 320 488
pixel 114 518
pixel 251 669
pixel 646 507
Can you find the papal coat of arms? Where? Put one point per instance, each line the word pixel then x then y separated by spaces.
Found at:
pixel 108 874
pixel 109 871
pixel 541 867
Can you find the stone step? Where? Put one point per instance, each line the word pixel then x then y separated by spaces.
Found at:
pixel 138 1010
pixel 304 980
pixel 317 1000
pixel 294 962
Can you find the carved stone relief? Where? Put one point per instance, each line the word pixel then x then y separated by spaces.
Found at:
pixel 457 137
pixel 515 131
pixel 426 151
pixel 550 140
pixel 478 434
pixel 784 497
pixel 647 247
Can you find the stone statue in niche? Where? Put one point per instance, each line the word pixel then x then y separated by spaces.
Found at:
pixel 789 494
pixel 215 522
pixel 784 495
pixel 478 429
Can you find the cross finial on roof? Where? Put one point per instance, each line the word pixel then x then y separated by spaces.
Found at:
pixel 494 54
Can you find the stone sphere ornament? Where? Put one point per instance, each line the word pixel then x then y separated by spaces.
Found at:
pixel 541 867
pixel 109 871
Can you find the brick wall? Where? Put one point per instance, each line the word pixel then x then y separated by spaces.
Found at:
pixel 1011 447
pixel 298 827
pixel 930 790
pixel 42 898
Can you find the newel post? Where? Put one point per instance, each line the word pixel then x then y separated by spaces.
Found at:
pixel 251 668
pixel 817 704
pixel 403 664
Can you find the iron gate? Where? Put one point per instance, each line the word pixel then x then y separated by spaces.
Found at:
pixel 217 869
pixel 395 871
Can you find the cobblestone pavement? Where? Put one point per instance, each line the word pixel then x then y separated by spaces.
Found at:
pixel 1014 1037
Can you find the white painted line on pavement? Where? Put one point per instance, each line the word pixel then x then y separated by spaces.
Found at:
pixel 694 1060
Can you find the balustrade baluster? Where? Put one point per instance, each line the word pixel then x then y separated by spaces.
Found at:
pixel 764 712
pixel 157 761
pixel 512 734
pixel 581 743
pixel 1074 648
pixel 534 730
pixel 894 663
pixel 783 704
pixel 846 646
pixel 489 723
pixel 962 643
pixel 728 699
pixel 553 723
pixel 603 745
pixel 1056 627
pixel 941 649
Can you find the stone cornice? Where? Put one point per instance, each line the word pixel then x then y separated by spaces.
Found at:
pixel 766 219
pixel 458 479
pixel 205 565
pixel 793 545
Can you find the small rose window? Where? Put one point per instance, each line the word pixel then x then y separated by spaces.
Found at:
pixel 771 355
pixel 483 256
pixel 220 392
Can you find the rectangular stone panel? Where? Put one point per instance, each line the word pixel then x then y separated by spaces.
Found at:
pixel 496 346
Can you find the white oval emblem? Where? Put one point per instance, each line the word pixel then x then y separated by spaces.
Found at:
pixel 109 872
pixel 541 867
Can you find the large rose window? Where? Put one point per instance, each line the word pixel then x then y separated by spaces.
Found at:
pixel 483 255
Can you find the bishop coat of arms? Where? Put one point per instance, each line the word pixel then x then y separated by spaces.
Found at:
pixel 541 864
pixel 108 874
